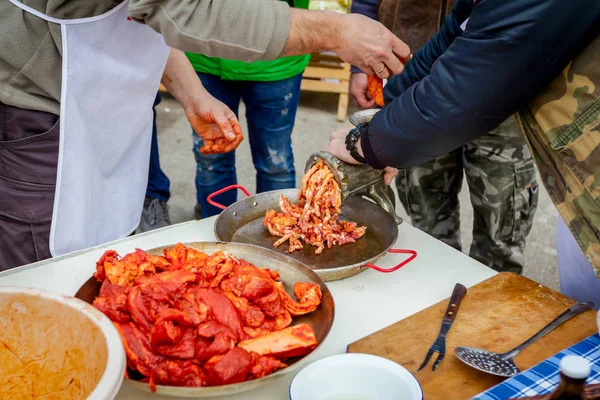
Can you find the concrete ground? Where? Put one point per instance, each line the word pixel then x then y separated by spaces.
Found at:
pixel 314 122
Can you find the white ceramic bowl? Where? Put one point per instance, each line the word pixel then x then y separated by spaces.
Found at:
pixel 50 343
pixel 355 377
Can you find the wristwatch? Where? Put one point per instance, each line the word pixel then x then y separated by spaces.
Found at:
pixel 351 140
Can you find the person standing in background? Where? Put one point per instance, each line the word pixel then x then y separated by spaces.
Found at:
pixel 500 170
pixel 271 93
pixel 550 52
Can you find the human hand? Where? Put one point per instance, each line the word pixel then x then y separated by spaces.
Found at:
pixel 215 123
pixel 337 147
pixel 370 46
pixel 389 173
pixel 359 90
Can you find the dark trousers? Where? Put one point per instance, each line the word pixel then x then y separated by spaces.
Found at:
pixel 158 182
pixel 28 161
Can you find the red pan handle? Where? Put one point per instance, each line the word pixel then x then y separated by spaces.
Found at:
pixel 413 255
pixel 210 200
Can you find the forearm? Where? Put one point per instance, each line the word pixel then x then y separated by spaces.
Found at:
pixel 312 32
pixel 181 80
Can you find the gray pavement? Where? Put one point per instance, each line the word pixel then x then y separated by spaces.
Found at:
pixel 314 123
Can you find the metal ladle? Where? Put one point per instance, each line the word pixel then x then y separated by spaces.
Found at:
pixel 503 364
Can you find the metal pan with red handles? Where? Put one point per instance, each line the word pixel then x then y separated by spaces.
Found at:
pixel 242 222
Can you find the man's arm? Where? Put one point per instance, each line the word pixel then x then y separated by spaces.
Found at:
pixel 234 29
pixel 181 80
pixel 509 52
pixel 267 29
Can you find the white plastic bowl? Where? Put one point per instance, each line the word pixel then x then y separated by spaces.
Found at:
pixel 355 377
pixel 52 342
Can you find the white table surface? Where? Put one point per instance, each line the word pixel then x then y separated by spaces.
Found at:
pixel 364 303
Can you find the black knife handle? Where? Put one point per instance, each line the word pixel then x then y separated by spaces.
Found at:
pixel 457 296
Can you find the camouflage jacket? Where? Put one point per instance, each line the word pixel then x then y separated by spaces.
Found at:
pixel 562 125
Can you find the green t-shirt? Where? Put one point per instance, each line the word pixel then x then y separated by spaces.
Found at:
pixel 265 71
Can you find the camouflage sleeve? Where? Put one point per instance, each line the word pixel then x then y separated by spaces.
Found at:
pixel 420 65
pixel 501 61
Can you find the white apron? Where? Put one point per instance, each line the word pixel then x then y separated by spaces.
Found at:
pixel 111 69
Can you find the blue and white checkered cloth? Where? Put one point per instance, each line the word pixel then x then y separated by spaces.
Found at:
pixel 544 377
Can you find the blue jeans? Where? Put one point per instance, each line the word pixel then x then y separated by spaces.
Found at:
pixel 577 278
pixel 158 183
pixel 270 111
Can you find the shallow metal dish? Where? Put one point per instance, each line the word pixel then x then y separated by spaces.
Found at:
pixel 242 222
pixel 291 271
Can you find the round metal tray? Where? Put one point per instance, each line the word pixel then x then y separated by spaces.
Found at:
pixel 291 271
pixel 242 222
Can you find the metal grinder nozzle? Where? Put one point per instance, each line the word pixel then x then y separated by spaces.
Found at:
pixel 359 180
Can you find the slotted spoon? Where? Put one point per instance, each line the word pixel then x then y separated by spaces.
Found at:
pixel 503 364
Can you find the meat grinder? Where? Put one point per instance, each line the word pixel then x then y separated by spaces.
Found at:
pixel 360 180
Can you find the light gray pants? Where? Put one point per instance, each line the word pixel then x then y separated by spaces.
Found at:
pixel 577 279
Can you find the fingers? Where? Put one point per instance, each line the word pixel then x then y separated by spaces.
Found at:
pixel 221 145
pixel 394 66
pixel 397 54
pixel 382 72
pixel 400 49
pixel 225 124
pixel 207 147
pixel 359 90
pixel 237 129
pixel 364 101
pixel 366 69
pixel 230 146
pixel 340 133
pixel 389 175
pixel 337 147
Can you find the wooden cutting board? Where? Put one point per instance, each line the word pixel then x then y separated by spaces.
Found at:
pixel 498 314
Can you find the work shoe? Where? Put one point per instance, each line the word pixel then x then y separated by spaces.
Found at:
pixel 154 215
pixel 197 212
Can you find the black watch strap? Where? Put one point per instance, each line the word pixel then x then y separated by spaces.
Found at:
pixel 351 140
